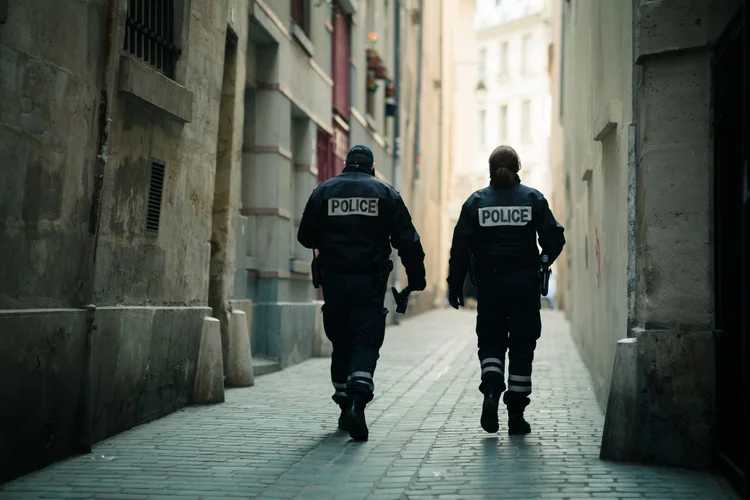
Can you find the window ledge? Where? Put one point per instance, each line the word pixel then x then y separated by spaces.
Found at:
pixel 142 81
pixel 300 266
pixel 299 35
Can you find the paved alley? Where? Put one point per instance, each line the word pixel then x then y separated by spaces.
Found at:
pixel 278 439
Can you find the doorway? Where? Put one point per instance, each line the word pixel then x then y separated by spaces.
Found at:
pixel 731 250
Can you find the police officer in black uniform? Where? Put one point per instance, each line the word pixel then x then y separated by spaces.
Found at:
pixel 352 220
pixel 495 236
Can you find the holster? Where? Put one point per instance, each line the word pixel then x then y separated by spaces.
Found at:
pixel 317 277
pixel 381 275
pixel 544 274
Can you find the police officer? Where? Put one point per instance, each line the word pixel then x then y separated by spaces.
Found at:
pixel 352 220
pixel 496 235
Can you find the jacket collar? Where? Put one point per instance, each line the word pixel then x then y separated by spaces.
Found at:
pixel 358 169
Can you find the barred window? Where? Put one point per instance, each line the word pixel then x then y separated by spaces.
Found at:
pixel 150 33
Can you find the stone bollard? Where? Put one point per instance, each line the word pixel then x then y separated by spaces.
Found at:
pixel 209 373
pixel 240 369
pixel 621 421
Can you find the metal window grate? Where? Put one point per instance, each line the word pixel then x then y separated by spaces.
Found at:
pixel 155 195
pixel 149 33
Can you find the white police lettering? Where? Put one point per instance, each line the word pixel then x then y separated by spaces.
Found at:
pixel 353 206
pixel 504 216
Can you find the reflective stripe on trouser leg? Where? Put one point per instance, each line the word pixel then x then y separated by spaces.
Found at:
pixel 493 365
pixel 363 379
pixel 519 383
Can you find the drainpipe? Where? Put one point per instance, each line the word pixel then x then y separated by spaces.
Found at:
pixel 396 172
pixel 104 121
pixel 419 93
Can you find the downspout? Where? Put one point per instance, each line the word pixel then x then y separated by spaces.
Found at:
pixel 419 95
pixel 396 172
pixel 85 440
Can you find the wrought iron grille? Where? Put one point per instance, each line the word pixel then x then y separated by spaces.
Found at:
pixel 150 32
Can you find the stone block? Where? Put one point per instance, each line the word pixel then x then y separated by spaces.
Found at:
pixel 620 425
pixel 144 362
pixel 209 371
pixel 665 26
pixel 42 366
pixel 676 386
pixel 240 369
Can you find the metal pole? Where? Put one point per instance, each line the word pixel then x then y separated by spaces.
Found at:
pixel 419 92
pixel 396 175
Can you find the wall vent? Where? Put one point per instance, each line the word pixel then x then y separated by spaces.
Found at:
pixel 155 195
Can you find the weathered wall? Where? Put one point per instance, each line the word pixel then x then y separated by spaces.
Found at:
pixel 558 194
pixel 49 95
pixel 640 252
pixel 151 292
pixel 596 62
pixel 287 98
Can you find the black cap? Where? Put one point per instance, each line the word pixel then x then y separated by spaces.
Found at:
pixel 360 156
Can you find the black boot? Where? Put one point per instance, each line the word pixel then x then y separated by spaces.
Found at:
pixel 489 412
pixel 517 424
pixel 342 418
pixel 355 421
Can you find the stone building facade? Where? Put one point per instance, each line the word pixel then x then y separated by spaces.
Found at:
pixel 157 156
pixel 119 153
pixel 652 107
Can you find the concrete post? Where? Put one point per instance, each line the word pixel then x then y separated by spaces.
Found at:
pixel 240 369
pixel 209 375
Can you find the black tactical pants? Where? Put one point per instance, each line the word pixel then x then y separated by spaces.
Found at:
pixel 354 322
pixel 508 319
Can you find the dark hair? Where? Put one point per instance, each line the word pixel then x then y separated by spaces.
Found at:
pixel 504 167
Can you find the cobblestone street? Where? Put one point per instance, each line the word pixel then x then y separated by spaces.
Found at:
pixel 278 439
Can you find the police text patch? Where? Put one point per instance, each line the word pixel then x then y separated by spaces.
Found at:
pixel 504 216
pixel 353 206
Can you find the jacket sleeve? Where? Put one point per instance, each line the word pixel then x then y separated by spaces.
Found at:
pixel 550 232
pixel 458 264
pixel 309 225
pixel 405 239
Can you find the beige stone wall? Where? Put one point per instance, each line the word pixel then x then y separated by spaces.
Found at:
pixel 597 85
pixel 557 195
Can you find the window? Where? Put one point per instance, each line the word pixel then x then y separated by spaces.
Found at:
pixel 155 195
pixel 300 14
pixel 526 54
pixel 503 58
pixel 482 128
pixel 150 33
pixel 482 64
pixel 503 124
pixel 526 121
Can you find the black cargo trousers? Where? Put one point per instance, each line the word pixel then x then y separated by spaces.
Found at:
pixel 354 319
pixel 508 319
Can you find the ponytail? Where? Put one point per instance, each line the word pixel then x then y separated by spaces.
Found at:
pixel 504 167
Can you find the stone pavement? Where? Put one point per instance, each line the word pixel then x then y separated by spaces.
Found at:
pixel 278 439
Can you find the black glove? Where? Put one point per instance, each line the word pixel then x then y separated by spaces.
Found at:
pixel 456 298
pixel 417 285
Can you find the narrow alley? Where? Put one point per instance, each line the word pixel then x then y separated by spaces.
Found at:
pixel 278 439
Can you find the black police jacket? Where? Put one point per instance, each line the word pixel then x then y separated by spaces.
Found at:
pixel 353 219
pixel 499 228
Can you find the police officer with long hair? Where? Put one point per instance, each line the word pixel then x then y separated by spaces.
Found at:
pixel 353 219
pixel 496 237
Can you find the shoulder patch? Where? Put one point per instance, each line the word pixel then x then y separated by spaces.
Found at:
pixel 504 216
pixel 353 206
